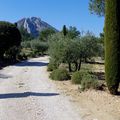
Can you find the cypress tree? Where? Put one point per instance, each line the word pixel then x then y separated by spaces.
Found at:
pixel 64 30
pixel 112 45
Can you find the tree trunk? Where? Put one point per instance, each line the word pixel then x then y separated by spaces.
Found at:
pixel 79 65
pixel 69 64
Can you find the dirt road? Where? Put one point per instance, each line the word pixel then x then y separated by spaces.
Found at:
pixel 26 93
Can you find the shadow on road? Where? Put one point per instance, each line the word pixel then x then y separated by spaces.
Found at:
pixel 26 94
pixel 27 63
pixel 5 76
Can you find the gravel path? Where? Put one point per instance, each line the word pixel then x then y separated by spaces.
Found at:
pixel 26 93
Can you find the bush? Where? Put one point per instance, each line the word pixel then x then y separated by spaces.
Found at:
pixel 26 53
pixel 86 80
pixel 51 67
pixel 39 47
pixel 60 74
pixel 89 82
pixel 22 56
pixel 26 44
pixel 78 76
pixel 11 53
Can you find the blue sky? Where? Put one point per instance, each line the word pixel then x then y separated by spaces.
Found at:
pixel 55 12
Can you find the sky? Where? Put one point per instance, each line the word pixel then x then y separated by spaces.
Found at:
pixel 55 12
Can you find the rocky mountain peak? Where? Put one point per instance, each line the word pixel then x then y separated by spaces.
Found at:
pixel 33 25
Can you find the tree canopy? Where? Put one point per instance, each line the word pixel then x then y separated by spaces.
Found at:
pixel 97 7
pixel 44 34
pixel 63 49
pixel 73 32
pixel 9 37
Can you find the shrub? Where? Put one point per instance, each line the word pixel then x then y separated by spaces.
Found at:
pixel 26 53
pixel 11 53
pixel 89 82
pixel 26 44
pixel 39 47
pixel 22 56
pixel 51 67
pixel 60 74
pixel 78 76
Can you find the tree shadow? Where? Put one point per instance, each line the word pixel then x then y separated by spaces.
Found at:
pixel 26 94
pixel 118 93
pixel 4 76
pixel 32 64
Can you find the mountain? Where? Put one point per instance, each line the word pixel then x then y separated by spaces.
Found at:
pixel 33 25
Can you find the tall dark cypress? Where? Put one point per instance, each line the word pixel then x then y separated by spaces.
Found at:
pixel 64 30
pixel 112 45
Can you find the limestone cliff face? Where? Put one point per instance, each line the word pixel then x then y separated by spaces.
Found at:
pixel 33 25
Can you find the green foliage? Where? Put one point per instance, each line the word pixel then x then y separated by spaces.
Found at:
pixel 60 74
pixel 72 51
pixel 101 39
pixel 90 46
pixel 112 45
pixel 64 30
pixel 44 34
pixel 22 56
pixel 52 65
pixel 11 53
pixel 73 32
pixel 89 82
pixel 27 53
pixel 64 50
pixel 56 48
pixel 37 47
pixel 26 44
pixel 86 80
pixel 97 7
pixel 9 37
pixel 77 77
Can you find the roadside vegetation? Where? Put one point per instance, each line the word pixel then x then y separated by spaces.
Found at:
pixel 69 49
pixel 10 39
pixel 23 46
pixel 34 47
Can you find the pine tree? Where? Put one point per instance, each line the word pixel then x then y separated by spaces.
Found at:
pixel 112 43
